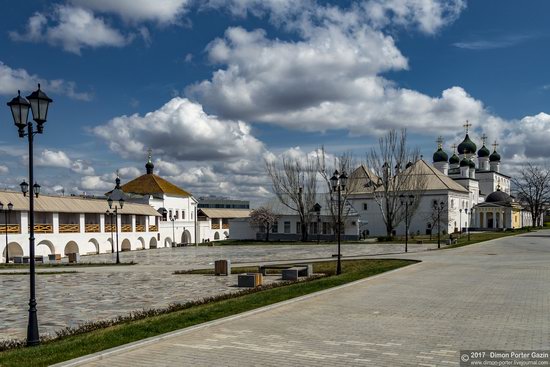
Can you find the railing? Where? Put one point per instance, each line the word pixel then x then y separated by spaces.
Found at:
pixel 153 229
pixel 91 228
pixel 12 228
pixel 69 228
pixel 140 227
pixel 225 226
pixel 126 228
pixel 110 227
pixel 215 226
pixel 43 228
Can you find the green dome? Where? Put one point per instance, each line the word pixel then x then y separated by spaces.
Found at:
pixel 454 159
pixel 440 156
pixel 471 164
pixel 495 157
pixel 483 152
pixel 465 162
pixel 467 146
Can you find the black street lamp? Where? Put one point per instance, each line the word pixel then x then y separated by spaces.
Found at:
pixel 173 219
pixel 407 201
pixel 469 218
pixel 38 102
pixel 439 208
pixel 6 217
pixel 338 183
pixel 118 195
pixel 317 210
pixel 460 222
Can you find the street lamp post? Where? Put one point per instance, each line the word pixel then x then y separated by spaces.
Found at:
pixel 117 193
pixel 173 219
pixel 460 222
pixel 6 217
pixel 406 201
pixel 338 183
pixel 317 210
pixel 38 102
pixel 469 219
pixel 439 209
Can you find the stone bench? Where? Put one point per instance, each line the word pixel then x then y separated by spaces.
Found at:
pixel 305 270
pixel 250 280
pixel 296 271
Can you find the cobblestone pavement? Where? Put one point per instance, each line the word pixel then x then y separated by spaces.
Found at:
pixel 490 295
pixel 96 293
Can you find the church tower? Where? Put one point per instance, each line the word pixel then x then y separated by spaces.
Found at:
pixel 440 158
pixel 494 159
pixel 483 155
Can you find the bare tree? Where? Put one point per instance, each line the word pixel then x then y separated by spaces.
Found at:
pixel 400 174
pixel 532 187
pixel 294 182
pixel 343 163
pixel 264 217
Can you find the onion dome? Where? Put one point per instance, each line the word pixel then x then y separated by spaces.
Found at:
pixel 465 162
pixel 440 156
pixel 149 166
pixel 494 157
pixel 454 159
pixel 467 146
pixel 471 163
pixel 498 196
pixel 483 152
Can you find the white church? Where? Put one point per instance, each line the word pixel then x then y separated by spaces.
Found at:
pixel 474 193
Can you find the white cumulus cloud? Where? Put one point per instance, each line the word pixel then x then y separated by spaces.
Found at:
pixel 71 28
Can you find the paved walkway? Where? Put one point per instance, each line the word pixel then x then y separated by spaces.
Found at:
pixel 491 295
pixel 98 293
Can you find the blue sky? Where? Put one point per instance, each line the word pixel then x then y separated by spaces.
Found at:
pixel 215 87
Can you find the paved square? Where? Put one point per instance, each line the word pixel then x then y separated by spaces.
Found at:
pixel 494 295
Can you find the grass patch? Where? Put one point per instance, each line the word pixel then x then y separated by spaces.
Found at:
pixel 39 272
pixel 62 265
pixel 312 241
pixel 486 236
pixel 69 347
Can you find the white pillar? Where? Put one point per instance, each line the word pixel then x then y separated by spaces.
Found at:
pixel 82 223
pixel 102 223
pixel 133 223
pixel 55 224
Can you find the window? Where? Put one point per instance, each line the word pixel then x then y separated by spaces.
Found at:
pixel 452 203
pixel 170 214
pixel 183 214
pixel 275 227
pixel 365 206
pixel 313 227
pixel 298 227
pixel 326 228
pixel 176 214
pixel 287 227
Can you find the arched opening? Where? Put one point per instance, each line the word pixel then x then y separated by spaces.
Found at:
pixel 71 248
pixel 93 246
pixel 45 248
pixel 141 244
pixel 126 246
pixel 14 249
pixel 490 220
pixel 153 243
pixel 167 242
pixel 110 246
pixel 186 237
pixel 217 235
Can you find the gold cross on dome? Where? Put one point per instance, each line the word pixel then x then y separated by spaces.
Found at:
pixel 495 145
pixel 484 138
pixel 467 126
pixel 117 173
pixel 454 147
pixel 149 154
pixel 439 142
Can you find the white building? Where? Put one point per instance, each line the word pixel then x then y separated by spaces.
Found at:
pixel 66 225
pixel 462 182
pixel 288 226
